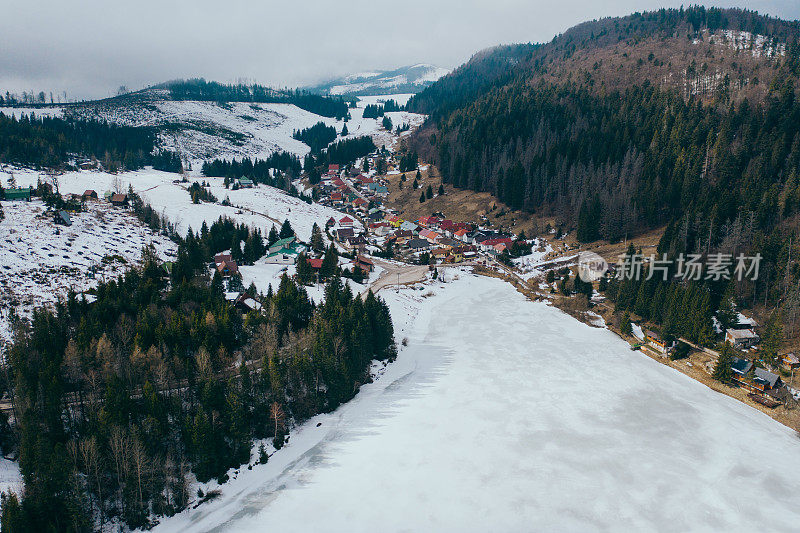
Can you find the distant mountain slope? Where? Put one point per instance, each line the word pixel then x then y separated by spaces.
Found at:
pixel 408 79
pixel 708 53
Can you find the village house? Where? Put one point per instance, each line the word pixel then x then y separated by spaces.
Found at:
pixel 89 194
pixel 246 303
pixel 364 263
pixel 461 234
pixel 440 253
pixel 430 236
pixel 315 262
pixel 741 338
pixel 428 221
pixel 119 200
pixel 357 242
pixel 418 245
pixel 403 236
pixel 23 193
pixel 409 226
pixel 227 268
pixel 342 234
pixel 284 252
pixel 245 183
pixel 765 380
pixel 381 229
pixel 740 368
pixel 790 361
pixel 655 340
pixel 346 222
pixel 395 221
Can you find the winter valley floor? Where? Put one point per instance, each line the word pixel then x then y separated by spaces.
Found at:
pixel 506 415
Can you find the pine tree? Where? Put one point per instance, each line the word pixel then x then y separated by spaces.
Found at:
pixel 421 197
pixel 305 274
pixel 415 185
pixel 273 237
pixel 441 190
pixel 286 230
pixel 771 343
pixel 330 263
pixel 429 192
pixel 317 242
pixel 722 370
pixel 344 130
pixel 727 314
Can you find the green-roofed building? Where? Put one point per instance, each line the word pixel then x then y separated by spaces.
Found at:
pixel 18 194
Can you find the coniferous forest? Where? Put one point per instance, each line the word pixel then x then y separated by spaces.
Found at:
pixel 611 158
pixel 200 89
pixel 119 400
pixel 259 170
pixel 52 142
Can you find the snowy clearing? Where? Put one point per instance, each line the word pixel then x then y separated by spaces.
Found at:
pixel 41 261
pixel 260 207
pixel 507 415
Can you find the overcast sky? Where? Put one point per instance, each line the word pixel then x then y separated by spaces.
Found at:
pixel 91 47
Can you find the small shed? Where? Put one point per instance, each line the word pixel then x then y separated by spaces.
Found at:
pixel 62 218
pixel 89 194
pixel 18 194
pixel 119 200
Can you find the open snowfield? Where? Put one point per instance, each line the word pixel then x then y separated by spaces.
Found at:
pixel 260 207
pixel 506 415
pixel 41 261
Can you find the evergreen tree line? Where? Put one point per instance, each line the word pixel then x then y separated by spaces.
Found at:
pixel 51 142
pixel 120 399
pixel 258 170
pixel 200 89
pixel 317 137
pixel 341 152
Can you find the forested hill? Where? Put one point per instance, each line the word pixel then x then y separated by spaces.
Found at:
pixel 708 53
pixel 687 118
pixel 630 122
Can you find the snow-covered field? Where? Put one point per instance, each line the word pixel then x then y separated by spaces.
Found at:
pixel 41 261
pixel 208 130
pixel 260 207
pixel 506 415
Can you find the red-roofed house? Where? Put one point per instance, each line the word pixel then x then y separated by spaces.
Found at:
pixel 489 244
pixel 227 268
pixel 346 222
pixel 333 168
pixel 316 264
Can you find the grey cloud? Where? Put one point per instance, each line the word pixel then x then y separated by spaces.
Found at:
pixel 89 48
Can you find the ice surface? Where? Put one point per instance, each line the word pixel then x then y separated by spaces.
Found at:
pixel 508 415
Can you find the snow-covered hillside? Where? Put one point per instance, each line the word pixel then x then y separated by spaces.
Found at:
pixel 506 415
pixel 412 78
pixel 208 130
pixel 41 261
pixel 260 207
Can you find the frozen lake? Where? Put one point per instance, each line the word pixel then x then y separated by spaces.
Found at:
pixel 507 415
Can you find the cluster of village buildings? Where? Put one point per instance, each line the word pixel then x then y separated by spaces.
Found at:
pixel 765 386
pixel 362 197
